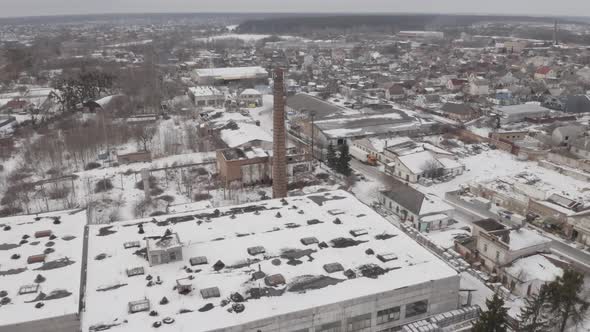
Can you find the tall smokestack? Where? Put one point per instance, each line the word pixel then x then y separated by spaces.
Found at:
pixel 279 159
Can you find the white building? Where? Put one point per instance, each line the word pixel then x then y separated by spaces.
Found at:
pixel 205 76
pixel 517 113
pixel 426 212
pixel 251 98
pixel 47 245
pixel 206 96
pixel 303 266
pixel 526 275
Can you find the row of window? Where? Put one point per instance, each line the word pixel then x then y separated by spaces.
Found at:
pixel 362 323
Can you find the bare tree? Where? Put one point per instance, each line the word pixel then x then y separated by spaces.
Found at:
pixel 432 169
pixel 144 136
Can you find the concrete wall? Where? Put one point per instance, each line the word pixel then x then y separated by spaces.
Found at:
pixel 66 323
pixel 442 296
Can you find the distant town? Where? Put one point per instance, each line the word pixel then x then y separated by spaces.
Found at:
pixel 292 172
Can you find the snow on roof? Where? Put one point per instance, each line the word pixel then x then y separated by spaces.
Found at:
pixel 245 133
pixel 61 266
pixel 525 238
pixel 535 267
pixel 226 235
pixel 449 163
pixel 432 204
pixel 419 162
pixel 204 91
pixel 231 73
pixel 189 207
pixel 250 92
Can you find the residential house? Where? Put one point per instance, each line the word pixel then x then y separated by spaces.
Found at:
pixel 544 72
pixel 565 135
pixel 498 245
pixel 456 84
pixel 525 276
pixel 424 211
pixel 479 86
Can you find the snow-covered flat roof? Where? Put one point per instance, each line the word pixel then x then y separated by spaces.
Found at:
pixel 58 288
pixel 205 91
pixel 229 73
pixel 232 235
pixel 524 238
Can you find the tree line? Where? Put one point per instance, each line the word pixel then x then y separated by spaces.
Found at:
pixel 556 304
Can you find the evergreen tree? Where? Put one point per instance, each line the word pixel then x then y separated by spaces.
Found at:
pixel 565 300
pixel 343 164
pixel 493 320
pixel 331 156
pixel 530 314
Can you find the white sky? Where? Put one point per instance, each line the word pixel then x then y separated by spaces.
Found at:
pixel 63 7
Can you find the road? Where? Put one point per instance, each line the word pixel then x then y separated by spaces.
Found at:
pixel 465 214
pixel 580 258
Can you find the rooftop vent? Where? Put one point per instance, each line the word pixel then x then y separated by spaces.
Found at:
pixel 358 232
pixel 131 244
pixel 256 250
pixel 199 260
pixel 210 292
pixel 387 257
pixel 138 306
pixel 309 240
pixel 136 271
pixel 36 259
pixel 275 280
pixel 44 233
pixel 28 289
pixel 333 267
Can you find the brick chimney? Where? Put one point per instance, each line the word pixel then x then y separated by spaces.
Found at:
pixel 279 159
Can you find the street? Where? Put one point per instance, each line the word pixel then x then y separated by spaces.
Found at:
pixel 465 214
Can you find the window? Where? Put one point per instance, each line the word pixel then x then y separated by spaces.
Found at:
pixel 388 315
pixel 173 256
pixel 416 308
pixel 497 255
pixel 359 323
pixel 485 247
pixel 330 327
pixel 392 329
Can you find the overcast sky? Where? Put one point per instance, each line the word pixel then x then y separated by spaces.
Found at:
pixel 62 7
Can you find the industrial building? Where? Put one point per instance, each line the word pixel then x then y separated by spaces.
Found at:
pixel 321 262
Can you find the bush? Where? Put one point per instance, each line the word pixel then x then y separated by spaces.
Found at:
pixel 91 165
pixel 103 185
